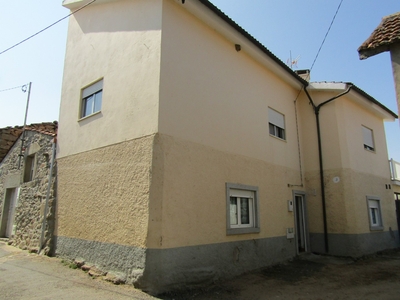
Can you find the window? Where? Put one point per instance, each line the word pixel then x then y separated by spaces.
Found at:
pixel 397 196
pixel 91 99
pixel 276 124
pixel 368 139
pixel 374 213
pixel 29 169
pixel 242 209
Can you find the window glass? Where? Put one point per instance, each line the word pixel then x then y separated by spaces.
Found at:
pixel 97 102
pixel 233 211
pixel 92 98
pixel 276 122
pixel 374 209
pixel 368 138
pixel 242 209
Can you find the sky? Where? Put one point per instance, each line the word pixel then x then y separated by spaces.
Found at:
pixel 288 28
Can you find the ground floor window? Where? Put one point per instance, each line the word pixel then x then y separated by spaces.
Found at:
pixel 242 209
pixel 374 213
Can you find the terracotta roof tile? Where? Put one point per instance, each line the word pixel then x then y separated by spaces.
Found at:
pixel 9 135
pixel 387 33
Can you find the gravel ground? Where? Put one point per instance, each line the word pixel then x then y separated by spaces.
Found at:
pixel 311 277
pixel 30 276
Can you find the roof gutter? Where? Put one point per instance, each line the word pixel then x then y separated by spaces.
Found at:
pixel 321 167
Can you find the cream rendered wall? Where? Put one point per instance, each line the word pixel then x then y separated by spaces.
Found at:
pixel 213 129
pixel 120 42
pixel 220 96
pixel 360 172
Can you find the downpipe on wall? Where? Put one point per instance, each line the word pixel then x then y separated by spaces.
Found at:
pixel 321 167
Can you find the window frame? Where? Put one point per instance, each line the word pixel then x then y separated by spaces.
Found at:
pixel 276 128
pixel 396 196
pixel 369 142
pixel 29 167
pixel 240 192
pixel 374 204
pixel 95 90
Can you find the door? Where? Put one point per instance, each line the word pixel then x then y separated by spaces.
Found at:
pixel 7 221
pixel 397 203
pixel 301 223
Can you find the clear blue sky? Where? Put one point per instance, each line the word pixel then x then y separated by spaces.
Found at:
pixel 283 26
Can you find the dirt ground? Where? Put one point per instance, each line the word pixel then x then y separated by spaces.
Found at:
pixel 30 276
pixel 311 277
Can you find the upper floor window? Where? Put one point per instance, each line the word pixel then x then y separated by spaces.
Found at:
pixel 368 139
pixel 91 98
pixel 276 124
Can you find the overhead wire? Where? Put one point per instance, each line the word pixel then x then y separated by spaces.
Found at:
pixel 322 44
pixel 13 88
pixel 298 94
pixel 51 25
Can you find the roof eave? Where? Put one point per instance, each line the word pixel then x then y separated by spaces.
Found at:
pixel 357 95
pixel 237 35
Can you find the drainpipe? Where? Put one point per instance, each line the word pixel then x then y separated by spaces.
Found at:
pixel 46 207
pixel 321 167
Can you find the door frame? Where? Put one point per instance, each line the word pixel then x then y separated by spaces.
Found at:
pixel 304 212
pixel 7 216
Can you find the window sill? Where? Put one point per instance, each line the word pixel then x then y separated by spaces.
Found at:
pixel 278 138
pixel 376 228
pixel 232 231
pixel 89 116
pixel 369 150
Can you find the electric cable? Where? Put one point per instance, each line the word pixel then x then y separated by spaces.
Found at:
pixel 51 25
pixel 13 88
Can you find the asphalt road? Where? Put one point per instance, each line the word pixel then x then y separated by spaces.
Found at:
pixel 31 276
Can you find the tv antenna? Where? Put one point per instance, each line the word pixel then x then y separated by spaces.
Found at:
pixel 292 62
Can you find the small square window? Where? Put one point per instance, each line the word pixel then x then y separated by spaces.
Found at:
pixel 242 209
pixel 91 99
pixel 368 139
pixel 374 213
pixel 276 124
pixel 29 169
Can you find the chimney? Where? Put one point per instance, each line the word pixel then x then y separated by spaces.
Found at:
pixel 305 74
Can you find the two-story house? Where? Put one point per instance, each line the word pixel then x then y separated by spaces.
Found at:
pixel 188 152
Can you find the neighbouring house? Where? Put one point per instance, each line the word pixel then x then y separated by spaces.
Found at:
pixel 386 37
pixel 187 152
pixel 28 186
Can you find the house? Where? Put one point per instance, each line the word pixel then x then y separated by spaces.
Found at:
pixel 28 186
pixel 187 152
pixel 386 37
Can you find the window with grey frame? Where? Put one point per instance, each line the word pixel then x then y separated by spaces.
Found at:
pixel 368 139
pixel 276 122
pixel 92 99
pixel 374 213
pixel 242 209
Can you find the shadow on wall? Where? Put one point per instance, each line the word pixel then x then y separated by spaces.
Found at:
pixel 121 16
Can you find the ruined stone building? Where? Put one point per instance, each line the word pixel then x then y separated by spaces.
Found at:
pixel 28 181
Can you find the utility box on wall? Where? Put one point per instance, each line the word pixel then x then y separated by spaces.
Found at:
pixel 290 233
pixel 290 205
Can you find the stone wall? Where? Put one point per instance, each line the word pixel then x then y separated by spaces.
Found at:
pixel 30 207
